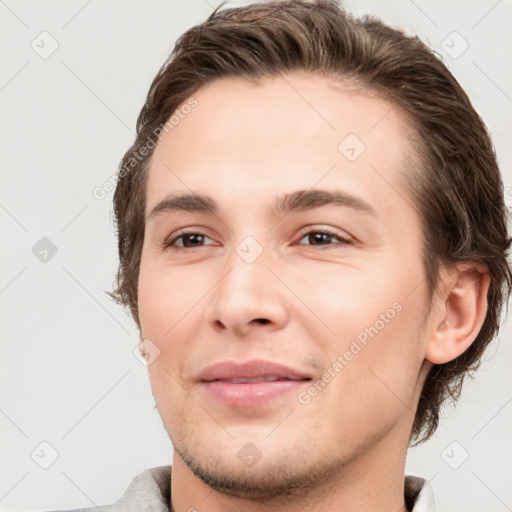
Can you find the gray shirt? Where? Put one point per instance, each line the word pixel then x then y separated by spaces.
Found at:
pixel 150 491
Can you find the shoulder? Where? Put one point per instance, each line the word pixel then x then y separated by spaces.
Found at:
pixel 148 491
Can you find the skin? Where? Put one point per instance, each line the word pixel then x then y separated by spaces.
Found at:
pixel 243 145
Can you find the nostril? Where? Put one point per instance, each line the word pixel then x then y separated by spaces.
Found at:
pixel 262 320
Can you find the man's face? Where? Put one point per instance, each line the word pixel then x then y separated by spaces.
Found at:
pixel 254 285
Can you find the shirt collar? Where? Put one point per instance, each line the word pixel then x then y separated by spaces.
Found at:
pixel 419 496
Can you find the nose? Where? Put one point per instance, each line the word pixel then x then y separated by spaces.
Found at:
pixel 248 296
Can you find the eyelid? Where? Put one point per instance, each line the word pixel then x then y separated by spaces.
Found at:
pixel 343 238
pixel 173 237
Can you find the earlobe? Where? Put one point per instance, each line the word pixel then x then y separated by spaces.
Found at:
pixel 465 307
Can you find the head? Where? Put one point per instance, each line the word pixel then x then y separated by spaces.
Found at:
pixel 279 97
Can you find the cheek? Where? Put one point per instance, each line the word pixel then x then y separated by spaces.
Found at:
pixel 380 368
pixel 171 314
pixel 351 302
pixel 166 298
pixel 377 351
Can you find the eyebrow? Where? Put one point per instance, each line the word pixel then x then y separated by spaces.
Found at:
pixel 300 200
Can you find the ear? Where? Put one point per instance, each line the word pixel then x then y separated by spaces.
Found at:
pixel 462 306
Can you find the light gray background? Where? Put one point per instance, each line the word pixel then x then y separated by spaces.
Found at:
pixel 68 373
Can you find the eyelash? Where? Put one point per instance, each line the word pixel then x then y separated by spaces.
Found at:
pixel 168 244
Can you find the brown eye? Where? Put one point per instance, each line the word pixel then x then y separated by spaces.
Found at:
pixel 322 237
pixel 186 240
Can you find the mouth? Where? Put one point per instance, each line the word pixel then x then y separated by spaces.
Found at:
pixel 251 393
pixel 270 378
pixel 250 384
pixel 255 370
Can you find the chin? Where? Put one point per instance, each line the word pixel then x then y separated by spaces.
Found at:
pixel 290 471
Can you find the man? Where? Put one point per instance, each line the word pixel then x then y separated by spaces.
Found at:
pixel 313 244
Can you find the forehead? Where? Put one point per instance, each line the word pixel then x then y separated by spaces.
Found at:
pixel 284 133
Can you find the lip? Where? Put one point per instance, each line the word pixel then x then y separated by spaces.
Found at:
pixel 254 368
pixel 215 381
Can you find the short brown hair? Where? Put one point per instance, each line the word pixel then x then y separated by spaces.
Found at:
pixel 458 193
